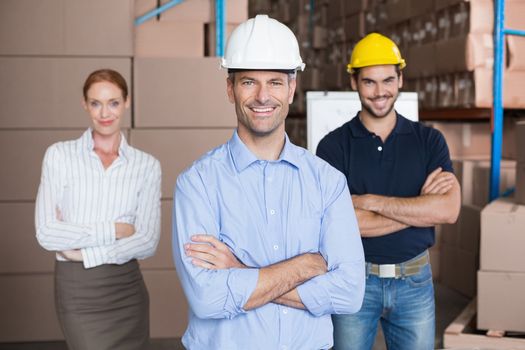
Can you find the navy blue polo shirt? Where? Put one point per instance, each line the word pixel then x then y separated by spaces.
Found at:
pixel 397 167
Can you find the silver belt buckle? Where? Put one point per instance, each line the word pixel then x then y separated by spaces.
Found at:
pixel 387 271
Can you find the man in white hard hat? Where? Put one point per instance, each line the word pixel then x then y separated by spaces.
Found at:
pixel 265 239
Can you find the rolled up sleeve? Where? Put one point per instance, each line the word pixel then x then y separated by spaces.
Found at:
pixel 210 293
pixel 341 289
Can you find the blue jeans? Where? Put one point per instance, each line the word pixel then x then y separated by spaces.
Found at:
pixel 405 308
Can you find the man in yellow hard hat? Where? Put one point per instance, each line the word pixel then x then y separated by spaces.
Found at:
pixel 402 183
pixel 265 239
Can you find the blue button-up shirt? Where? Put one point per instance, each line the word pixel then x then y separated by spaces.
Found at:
pixel 266 212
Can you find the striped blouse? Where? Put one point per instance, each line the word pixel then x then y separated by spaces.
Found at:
pixel 79 202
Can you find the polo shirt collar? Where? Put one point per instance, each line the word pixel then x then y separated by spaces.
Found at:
pixel 243 157
pixel 358 129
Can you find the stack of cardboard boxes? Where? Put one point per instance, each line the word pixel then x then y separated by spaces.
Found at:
pixel 180 110
pixel 458 250
pixel 501 278
pixel 448 45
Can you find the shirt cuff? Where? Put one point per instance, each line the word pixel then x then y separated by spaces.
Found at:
pixel 93 256
pixel 105 233
pixel 241 283
pixel 315 297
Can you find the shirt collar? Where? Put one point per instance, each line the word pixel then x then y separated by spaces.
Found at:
pixel 359 130
pixel 243 157
pixel 89 145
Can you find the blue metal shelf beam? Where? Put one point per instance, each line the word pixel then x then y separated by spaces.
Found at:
pixel 220 27
pixel 497 103
pixel 220 21
pixel 157 11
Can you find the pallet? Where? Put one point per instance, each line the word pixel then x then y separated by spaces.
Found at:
pixel 462 333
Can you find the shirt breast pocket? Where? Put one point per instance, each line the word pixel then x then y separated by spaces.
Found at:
pixel 305 234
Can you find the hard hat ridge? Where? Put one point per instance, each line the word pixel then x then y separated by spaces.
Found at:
pixel 262 43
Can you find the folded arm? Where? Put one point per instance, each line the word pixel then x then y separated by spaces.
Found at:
pixel 438 203
pixel 140 239
pixel 53 233
pixel 303 282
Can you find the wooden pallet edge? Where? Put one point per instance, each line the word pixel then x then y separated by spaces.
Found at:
pixel 454 336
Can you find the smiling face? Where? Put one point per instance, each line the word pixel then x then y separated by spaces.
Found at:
pixel 105 105
pixel 378 88
pixel 262 100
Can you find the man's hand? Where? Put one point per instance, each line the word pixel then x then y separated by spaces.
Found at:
pixel 438 182
pixel 123 230
pixel 210 253
pixel 71 255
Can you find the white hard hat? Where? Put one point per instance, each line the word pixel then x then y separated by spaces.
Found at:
pixel 262 43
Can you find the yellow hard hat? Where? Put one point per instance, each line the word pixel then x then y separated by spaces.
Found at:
pixel 374 50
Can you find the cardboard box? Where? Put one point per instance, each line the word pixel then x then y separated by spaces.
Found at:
pixel 177 149
pixel 311 79
pixel 501 301
pixel 446 96
pixel 469 228
pixel 22 154
pixel 435 257
pixel 519 196
pixel 422 61
pixel 502 236
pixel 38 26
pixel 169 39
pixel 190 11
pixel 210 32
pixel 18 241
pixel 464 171
pixel 520 141
pixel 354 26
pixel 466 139
pixel 481 94
pixel 458 269
pixel 420 7
pixel 66 27
pixel 465 53
pixel 335 9
pixel 472 17
pixel 165 98
pixel 516 49
pixel 444 23
pixel 163 258
pixel 46 92
pixel 28 308
pixel 397 11
pixel 450 234
pixel 168 306
pixel 355 6
pixel 480 194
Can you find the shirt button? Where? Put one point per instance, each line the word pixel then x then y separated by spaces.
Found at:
pixel 285 311
pixel 270 179
pixel 272 212
pixel 275 247
pixel 379 148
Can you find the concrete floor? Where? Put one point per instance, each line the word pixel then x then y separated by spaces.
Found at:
pixel 448 305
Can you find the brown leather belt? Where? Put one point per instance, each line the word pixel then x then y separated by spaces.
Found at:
pixel 408 268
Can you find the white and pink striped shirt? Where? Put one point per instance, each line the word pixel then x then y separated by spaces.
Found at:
pixel 79 202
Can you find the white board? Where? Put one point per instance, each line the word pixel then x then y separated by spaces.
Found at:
pixel 328 110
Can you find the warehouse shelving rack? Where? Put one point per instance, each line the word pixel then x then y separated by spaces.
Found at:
pixel 497 102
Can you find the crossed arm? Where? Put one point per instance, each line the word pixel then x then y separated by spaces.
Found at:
pixel 276 283
pixel 438 203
